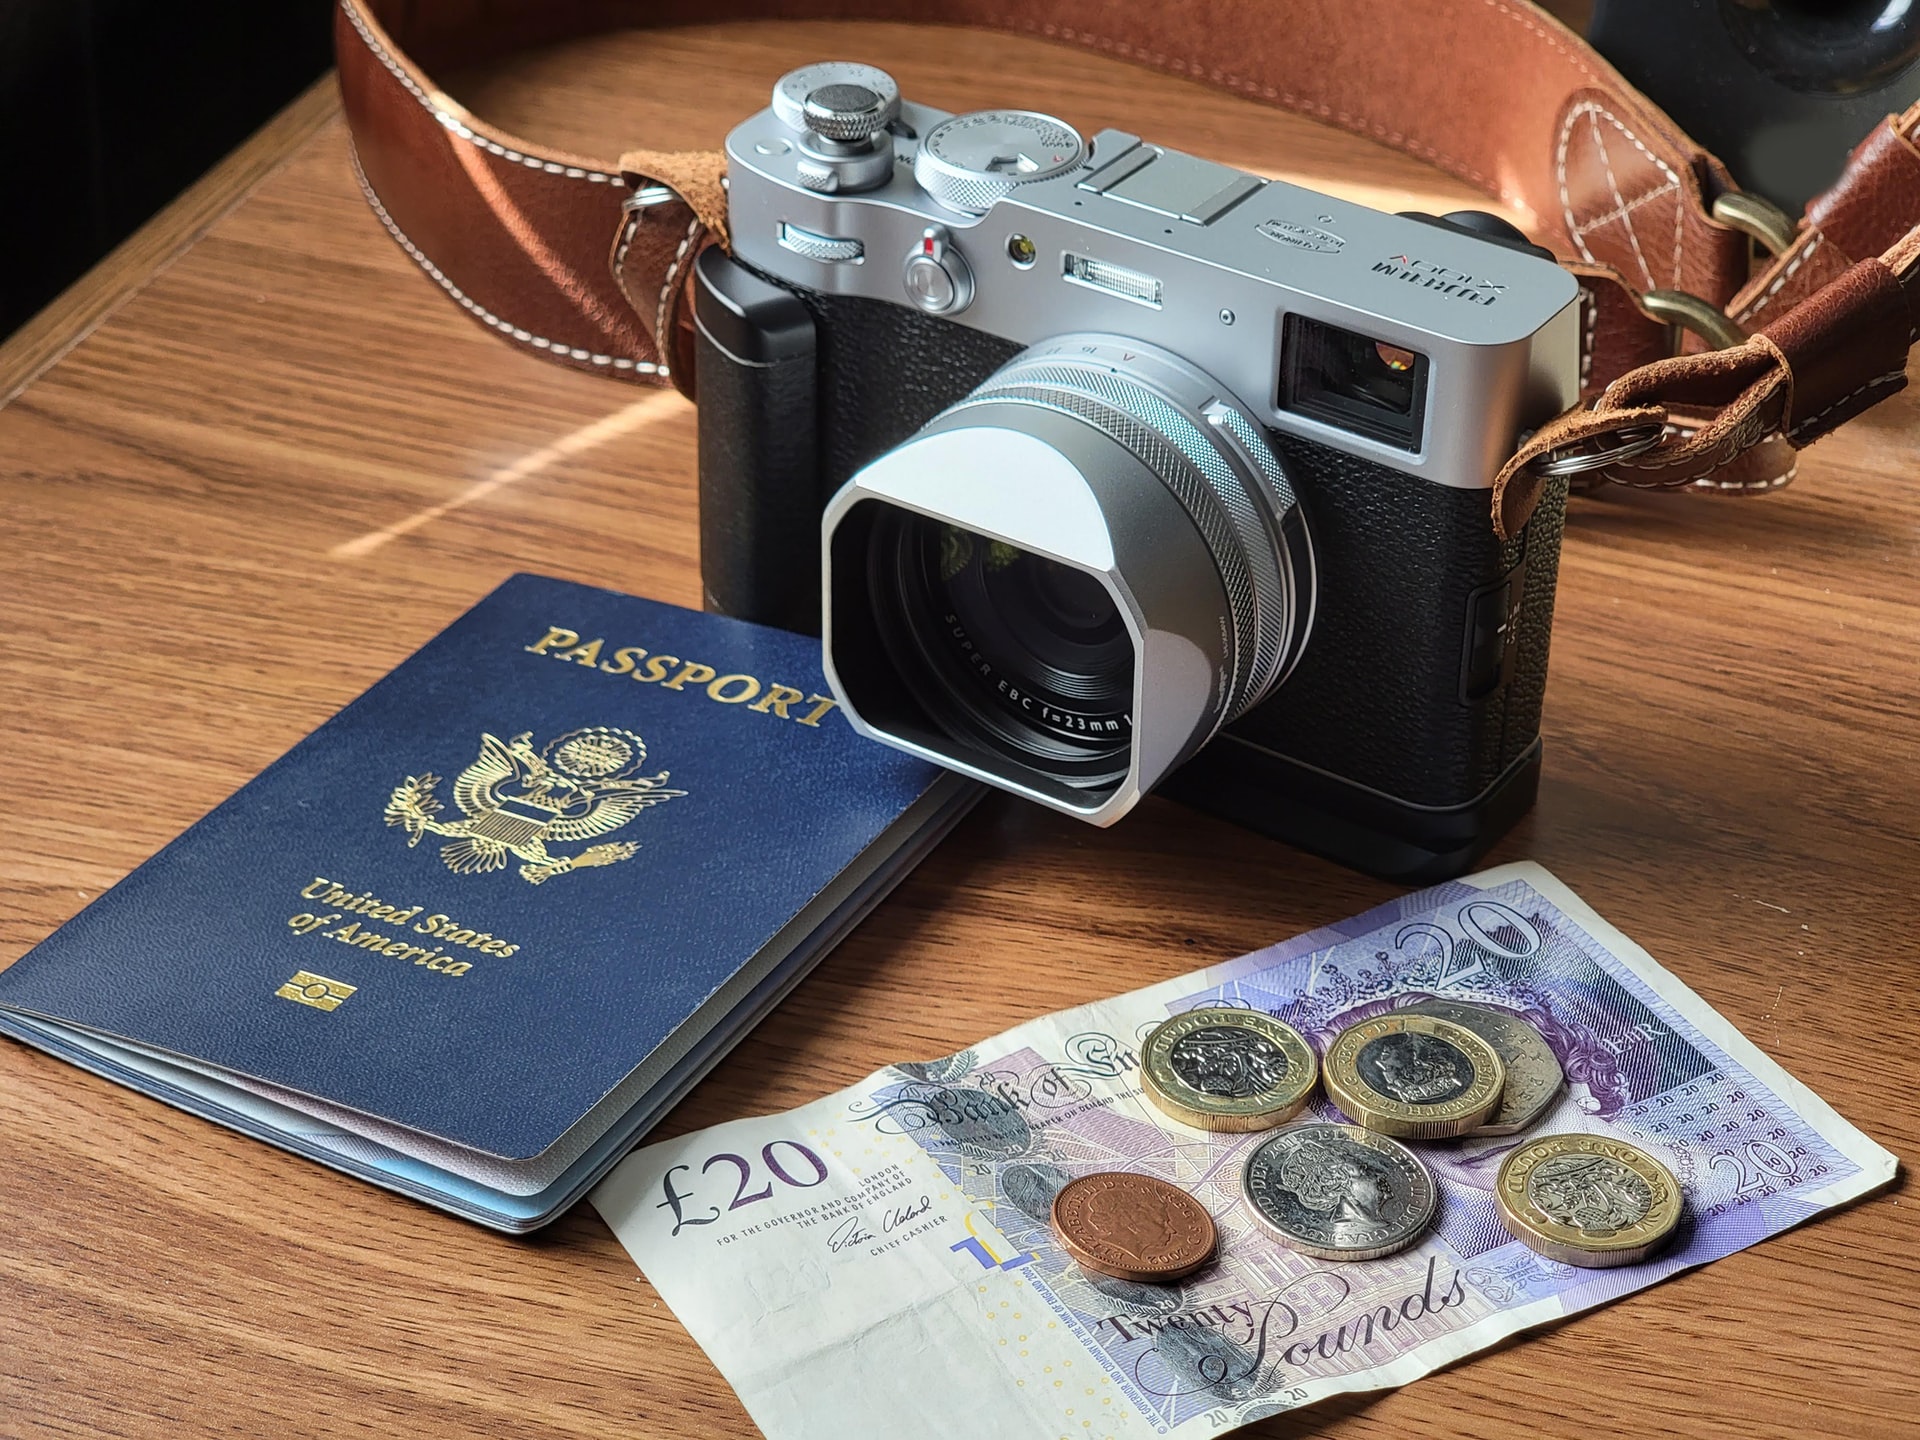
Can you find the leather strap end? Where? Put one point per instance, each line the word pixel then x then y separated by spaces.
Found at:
pixel 1716 407
pixel 1518 486
pixel 1635 195
pixel 698 177
pixel 660 236
pixel 1845 347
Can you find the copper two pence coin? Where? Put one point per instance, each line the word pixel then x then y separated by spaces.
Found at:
pixel 1132 1227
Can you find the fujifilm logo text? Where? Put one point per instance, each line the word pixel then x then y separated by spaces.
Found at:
pixel 1438 277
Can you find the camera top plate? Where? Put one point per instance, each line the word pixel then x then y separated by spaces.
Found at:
pixel 1194 256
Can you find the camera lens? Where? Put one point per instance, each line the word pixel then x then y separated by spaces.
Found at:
pixel 1068 581
pixel 1028 655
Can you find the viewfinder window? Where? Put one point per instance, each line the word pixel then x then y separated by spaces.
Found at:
pixel 1367 386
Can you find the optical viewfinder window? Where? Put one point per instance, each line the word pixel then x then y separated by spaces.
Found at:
pixel 1366 386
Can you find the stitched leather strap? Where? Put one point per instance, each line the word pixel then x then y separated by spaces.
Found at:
pixel 586 261
pixel 1839 351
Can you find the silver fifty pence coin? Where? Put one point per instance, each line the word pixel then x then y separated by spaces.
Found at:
pixel 1339 1192
pixel 1534 1076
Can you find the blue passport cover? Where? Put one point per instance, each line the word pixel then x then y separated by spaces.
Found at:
pixel 479 896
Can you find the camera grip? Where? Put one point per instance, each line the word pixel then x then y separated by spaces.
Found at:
pixel 759 471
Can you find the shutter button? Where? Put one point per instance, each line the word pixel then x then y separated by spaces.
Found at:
pixel 846 147
pixel 936 276
pixel 848 113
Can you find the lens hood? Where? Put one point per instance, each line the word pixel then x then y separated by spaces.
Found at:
pixel 1123 463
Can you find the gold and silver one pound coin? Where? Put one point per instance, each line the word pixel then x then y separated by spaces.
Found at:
pixel 1587 1200
pixel 1338 1192
pixel 1414 1076
pixel 1534 1076
pixel 1220 1068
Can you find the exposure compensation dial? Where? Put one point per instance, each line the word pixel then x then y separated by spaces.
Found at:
pixel 970 161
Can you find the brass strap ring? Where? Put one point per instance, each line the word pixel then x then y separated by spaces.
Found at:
pixel 1751 215
pixel 1758 217
pixel 1688 311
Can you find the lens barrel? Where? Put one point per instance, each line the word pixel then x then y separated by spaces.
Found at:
pixel 1068 581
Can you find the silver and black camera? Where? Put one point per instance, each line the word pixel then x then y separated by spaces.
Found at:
pixel 1129 469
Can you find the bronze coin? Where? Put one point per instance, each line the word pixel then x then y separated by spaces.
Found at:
pixel 1132 1227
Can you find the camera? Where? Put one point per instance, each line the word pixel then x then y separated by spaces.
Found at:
pixel 1100 467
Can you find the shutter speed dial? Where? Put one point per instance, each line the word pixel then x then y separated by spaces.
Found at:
pixel 970 161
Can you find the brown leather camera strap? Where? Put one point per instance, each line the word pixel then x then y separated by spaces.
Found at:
pixel 587 261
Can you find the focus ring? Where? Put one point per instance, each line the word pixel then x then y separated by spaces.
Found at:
pixel 1210 479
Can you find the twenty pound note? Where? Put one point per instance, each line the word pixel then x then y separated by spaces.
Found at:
pixel 880 1262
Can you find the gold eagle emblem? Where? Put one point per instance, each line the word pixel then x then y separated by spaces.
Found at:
pixel 516 802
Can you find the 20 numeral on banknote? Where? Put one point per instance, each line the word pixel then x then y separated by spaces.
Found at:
pixel 676 1199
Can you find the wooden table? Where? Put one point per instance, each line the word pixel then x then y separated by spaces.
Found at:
pixel 282 460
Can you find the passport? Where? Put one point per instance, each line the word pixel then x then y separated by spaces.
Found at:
pixel 477 933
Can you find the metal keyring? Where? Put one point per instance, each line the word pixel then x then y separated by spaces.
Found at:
pixel 1634 440
pixel 648 196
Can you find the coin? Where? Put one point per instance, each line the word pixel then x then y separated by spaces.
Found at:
pixel 1339 1192
pixel 1534 1076
pixel 1413 1075
pixel 1219 1068
pixel 1132 1227
pixel 1587 1200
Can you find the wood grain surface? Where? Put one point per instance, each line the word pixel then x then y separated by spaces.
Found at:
pixel 286 460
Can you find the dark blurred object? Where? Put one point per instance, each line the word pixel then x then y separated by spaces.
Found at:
pixel 109 108
pixel 1779 89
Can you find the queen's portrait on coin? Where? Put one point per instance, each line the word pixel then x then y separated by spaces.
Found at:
pixel 1420 1069
pixel 1332 1179
pixel 1137 1226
